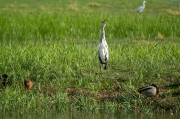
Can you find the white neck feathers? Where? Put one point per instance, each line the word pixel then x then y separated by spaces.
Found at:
pixel 102 33
pixel 143 4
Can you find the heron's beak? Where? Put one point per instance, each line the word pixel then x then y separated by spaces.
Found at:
pixel 104 21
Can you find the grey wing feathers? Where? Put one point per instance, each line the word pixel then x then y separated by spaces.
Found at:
pixel 103 55
pixel 144 89
pixel 140 9
pixel 149 90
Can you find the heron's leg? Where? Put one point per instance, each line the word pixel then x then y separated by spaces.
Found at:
pixel 107 68
pixel 100 66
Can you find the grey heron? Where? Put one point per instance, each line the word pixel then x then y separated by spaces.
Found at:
pixel 103 52
pixel 140 9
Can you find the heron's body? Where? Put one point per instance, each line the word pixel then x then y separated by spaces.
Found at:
pixel 149 90
pixel 28 83
pixel 103 52
pixel 140 9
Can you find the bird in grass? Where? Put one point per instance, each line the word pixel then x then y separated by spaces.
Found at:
pixel 28 83
pixel 140 9
pixel 103 52
pixel 149 90
pixel 4 80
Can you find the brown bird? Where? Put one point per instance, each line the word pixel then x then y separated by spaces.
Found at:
pixel 4 80
pixel 28 83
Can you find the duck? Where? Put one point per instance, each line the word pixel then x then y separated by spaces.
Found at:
pixel 28 83
pixel 149 90
pixel 4 80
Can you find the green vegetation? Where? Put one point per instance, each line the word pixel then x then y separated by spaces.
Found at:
pixel 88 26
pixel 57 49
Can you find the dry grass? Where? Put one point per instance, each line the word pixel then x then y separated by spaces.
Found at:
pixel 94 5
pixel 100 95
pixel 172 12
pixel 144 42
pixel 73 6
pixel 97 5
pixel 42 7
pixel 160 36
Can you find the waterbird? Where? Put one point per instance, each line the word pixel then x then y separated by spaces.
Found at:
pixel 140 9
pixel 28 83
pixel 4 80
pixel 103 52
pixel 149 90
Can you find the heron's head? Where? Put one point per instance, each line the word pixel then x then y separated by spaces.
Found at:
pixel 154 85
pixel 103 23
pixel 144 2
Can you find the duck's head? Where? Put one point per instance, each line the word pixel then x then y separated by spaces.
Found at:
pixel 154 85
pixel 4 76
pixel 157 89
pixel 5 80
pixel 27 80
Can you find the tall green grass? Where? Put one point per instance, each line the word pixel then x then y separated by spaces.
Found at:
pixel 70 59
pixel 56 67
pixel 91 6
pixel 61 26
pixel 58 51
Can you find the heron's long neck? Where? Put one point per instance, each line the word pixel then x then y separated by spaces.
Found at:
pixel 102 34
pixel 143 4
